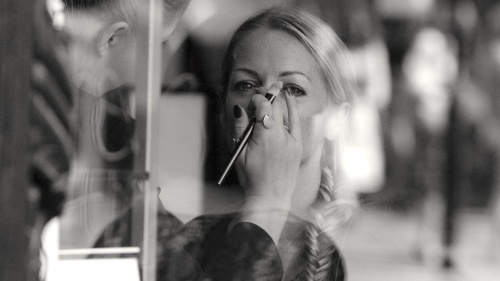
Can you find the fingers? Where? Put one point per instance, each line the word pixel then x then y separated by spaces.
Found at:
pixel 240 121
pixel 267 115
pixel 262 108
pixel 277 115
pixel 240 125
pixel 293 117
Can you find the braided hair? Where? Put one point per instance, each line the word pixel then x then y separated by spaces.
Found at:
pixel 330 54
pixel 328 213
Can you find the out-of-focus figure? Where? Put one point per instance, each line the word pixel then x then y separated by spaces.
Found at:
pixel 430 69
pixel 478 107
pixel 424 64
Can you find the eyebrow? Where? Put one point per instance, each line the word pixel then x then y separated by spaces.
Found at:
pixel 287 73
pixel 282 74
pixel 243 69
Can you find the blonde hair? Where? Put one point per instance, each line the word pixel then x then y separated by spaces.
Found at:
pixel 332 57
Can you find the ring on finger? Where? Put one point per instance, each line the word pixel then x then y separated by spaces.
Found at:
pixel 236 141
pixel 288 129
pixel 267 121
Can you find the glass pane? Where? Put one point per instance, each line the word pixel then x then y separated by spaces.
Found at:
pixel 111 207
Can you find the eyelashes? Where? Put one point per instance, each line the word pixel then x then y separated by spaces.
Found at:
pixel 289 88
pixel 246 86
pixel 294 90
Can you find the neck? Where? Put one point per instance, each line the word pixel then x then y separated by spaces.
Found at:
pixel 306 189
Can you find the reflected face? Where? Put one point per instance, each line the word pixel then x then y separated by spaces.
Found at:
pixel 124 60
pixel 266 56
pixel 84 65
pixel 98 72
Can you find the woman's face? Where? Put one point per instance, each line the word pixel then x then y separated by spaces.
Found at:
pixel 266 56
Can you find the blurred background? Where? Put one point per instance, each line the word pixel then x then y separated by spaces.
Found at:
pixel 422 153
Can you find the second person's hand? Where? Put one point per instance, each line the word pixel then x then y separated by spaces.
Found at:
pixel 268 166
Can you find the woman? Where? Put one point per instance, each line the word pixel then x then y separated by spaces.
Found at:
pixel 287 170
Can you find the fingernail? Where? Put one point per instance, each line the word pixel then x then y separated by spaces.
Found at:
pixel 237 111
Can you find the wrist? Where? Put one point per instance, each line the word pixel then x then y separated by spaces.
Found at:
pixel 268 213
pixel 265 203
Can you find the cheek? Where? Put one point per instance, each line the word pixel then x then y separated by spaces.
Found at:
pixel 128 68
pixel 121 68
pixel 311 129
pixel 308 143
pixel 313 133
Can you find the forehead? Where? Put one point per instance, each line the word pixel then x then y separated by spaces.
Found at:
pixel 274 49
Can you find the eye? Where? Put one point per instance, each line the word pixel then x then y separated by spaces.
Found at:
pixel 245 86
pixel 294 90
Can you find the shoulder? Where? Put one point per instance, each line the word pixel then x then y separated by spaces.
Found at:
pixel 182 255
